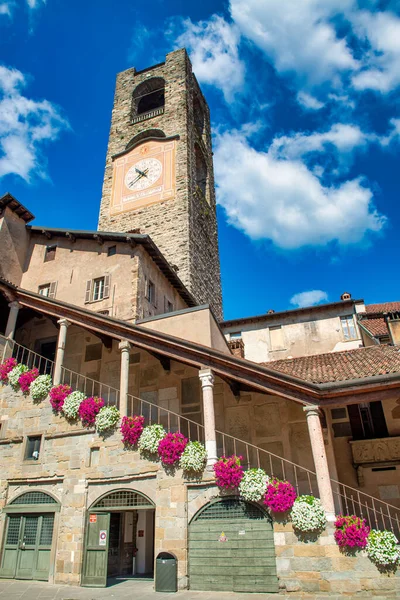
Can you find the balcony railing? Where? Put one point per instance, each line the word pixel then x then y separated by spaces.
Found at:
pixel 148 115
pixel 349 500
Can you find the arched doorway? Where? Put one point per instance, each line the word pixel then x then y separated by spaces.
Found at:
pixel 231 548
pixel 119 539
pixel 28 536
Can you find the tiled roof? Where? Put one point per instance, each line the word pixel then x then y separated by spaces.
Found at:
pixel 376 327
pixel 341 366
pixel 382 307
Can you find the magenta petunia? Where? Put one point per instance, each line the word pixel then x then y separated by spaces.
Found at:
pixel 171 447
pixel 89 408
pixel 131 429
pixel 351 531
pixel 228 472
pixel 57 396
pixel 26 378
pixel 6 367
pixel 279 496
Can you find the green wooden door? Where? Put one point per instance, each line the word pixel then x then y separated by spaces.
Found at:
pixel 96 550
pixel 28 540
pixel 231 548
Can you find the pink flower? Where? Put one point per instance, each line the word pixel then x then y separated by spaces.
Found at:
pixel 351 531
pixel 89 408
pixel 280 495
pixel 171 447
pixel 57 396
pixel 6 367
pixel 131 429
pixel 228 472
pixel 25 379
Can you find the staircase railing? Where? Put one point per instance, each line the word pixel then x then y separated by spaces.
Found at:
pixel 349 500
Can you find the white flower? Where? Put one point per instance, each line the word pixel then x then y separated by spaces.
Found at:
pixel 307 514
pixel 107 418
pixel 15 374
pixel 71 405
pixel 253 485
pixel 194 457
pixel 382 548
pixel 150 438
pixel 40 388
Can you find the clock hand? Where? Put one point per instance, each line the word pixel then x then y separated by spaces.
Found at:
pixel 138 171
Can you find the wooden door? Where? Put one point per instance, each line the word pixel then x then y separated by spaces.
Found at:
pixel 96 549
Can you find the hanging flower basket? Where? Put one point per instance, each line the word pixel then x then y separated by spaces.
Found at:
pixel 351 531
pixel 40 388
pixel 6 367
pixel 71 405
pixel 107 418
pixel 89 409
pixel 228 472
pixel 25 379
pixel 308 515
pixel 253 484
pixel 131 429
pixel 57 396
pixel 171 448
pixel 150 438
pixel 383 549
pixel 194 458
pixel 279 496
pixel 15 374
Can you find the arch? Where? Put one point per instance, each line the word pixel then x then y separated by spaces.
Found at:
pixel 198 115
pixel 122 498
pixel 33 497
pixel 201 170
pixel 235 506
pixel 145 135
pixel 148 95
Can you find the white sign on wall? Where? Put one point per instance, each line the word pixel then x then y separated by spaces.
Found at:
pixel 103 537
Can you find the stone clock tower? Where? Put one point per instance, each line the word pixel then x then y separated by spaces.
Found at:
pixel 159 172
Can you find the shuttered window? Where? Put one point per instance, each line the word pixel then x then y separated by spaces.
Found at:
pixel 97 289
pixel 48 289
pixel 367 420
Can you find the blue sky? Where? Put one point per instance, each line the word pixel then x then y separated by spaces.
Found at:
pixel 304 98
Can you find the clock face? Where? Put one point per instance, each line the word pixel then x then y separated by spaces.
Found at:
pixel 143 174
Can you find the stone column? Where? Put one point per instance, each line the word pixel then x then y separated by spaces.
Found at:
pixel 62 336
pixel 124 347
pixel 12 319
pixel 320 460
pixel 207 384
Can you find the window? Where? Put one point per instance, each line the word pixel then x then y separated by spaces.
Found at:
pixel 50 253
pixel 367 420
pixel 276 338
pixel 168 306
pixel 32 447
pixel 348 327
pixel 48 289
pixel 97 289
pixel 112 250
pixel 150 292
pixel 94 457
pixel 148 96
pixel 93 352
pixel 235 335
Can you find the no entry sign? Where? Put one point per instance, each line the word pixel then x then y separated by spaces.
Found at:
pixel 103 537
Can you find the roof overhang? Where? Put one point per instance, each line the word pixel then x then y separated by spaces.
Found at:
pixel 8 201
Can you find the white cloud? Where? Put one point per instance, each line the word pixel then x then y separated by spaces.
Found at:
pixel 35 3
pixel 25 125
pixel 298 37
pixel 284 201
pixel 310 298
pixel 309 102
pixel 213 48
pixel 5 8
pixel 381 70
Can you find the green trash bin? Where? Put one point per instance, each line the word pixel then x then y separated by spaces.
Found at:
pixel 166 573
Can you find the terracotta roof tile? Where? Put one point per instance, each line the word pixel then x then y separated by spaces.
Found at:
pixel 376 327
pixel 383 307
pixel 341 366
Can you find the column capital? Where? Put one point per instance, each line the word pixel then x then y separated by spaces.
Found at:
pixel 311 411
pixel 124 345
pixel 206 377
pixel 64 322
pixel 14 305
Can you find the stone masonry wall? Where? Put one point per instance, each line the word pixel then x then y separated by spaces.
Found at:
pixel 184 228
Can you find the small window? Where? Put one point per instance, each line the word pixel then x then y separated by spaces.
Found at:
pixel 93 352
pixel 235 335
pixel 50 253
pixel 276 338
pixel 150 292
pixel 168 306
pixel 103 312
pixel 112 250
pixel 32 448
pixel 348 327
pixel 48 289
pixel 97 289
pixel 94 456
